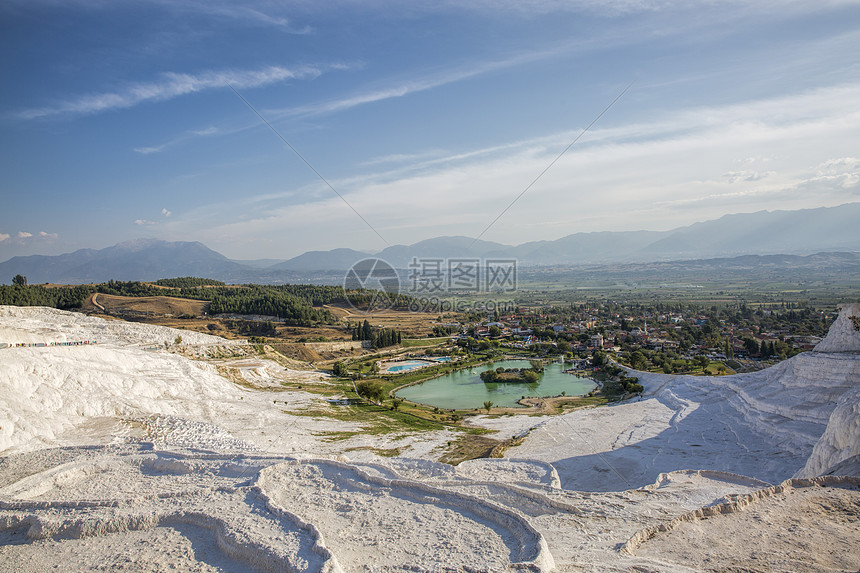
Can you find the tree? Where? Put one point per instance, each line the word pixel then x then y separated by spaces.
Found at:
pixel 19 280
pixel 530 376
pixel 395 404
pixel 702 361
pixel 488 405
pixel 339 369
pixel 638 360
pixel 371 391
pixel 752 346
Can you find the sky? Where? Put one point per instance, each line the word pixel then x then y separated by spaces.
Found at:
pixel 267 129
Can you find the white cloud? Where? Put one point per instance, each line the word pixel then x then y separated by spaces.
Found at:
pixel 24 235
pixel 3 237
pixel 746 175
pixel 675 170
pixel 209 131
pixel 166 213
pixel 48 236
pixel 234 11
pixel 212 130
pixel 416 85
pixel 144 222
pixel 154 149
pixel 253 12
pixel 171 85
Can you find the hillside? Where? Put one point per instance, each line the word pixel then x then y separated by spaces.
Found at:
pixel 140 260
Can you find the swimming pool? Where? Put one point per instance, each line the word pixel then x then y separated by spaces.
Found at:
pixel 408 365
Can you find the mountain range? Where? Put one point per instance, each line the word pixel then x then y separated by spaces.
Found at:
pixel 799 232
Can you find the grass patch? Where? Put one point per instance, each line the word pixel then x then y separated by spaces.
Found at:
pixel 384 452
pixel 314 388
pixel 234 376
pixel 376 420
pixel 337 436
pixel 576 403
pixel 469 447
pixel 415 342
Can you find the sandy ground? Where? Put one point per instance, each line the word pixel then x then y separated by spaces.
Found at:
pixel 118 456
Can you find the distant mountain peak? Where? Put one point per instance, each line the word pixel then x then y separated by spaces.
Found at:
pixel 137 244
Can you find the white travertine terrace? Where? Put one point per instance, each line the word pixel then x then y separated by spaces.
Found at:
pixel 123 455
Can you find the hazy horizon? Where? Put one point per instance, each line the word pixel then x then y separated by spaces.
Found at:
pixel 118 121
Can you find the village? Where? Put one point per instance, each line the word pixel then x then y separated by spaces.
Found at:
pixel 665 338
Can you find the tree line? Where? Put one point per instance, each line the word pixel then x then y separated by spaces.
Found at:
pixel 379 337
pixel 292 303
pixel 188 282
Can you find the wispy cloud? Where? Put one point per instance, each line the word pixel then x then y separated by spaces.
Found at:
pixel 4 237
pixel 688 165
pixel 236 12
pixel 171 85
pixel 208 132
pixel 401 158
pixel 401 89
pixel 419 84
pixel 254 13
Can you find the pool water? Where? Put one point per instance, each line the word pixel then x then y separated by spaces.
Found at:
pixel 464 389
pixel 410 365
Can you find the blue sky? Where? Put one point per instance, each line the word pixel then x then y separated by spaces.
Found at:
pixel 429 118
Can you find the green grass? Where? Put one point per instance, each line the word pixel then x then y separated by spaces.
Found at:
pixel 384 452
pixel 376 420
pixel 585 402
pixel 413 342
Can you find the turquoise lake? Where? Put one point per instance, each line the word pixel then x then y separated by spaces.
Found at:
pixel 464 389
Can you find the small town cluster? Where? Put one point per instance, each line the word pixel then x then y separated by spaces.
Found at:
pixel 669 338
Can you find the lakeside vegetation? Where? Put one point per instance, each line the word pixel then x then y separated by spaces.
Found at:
pixel 528 375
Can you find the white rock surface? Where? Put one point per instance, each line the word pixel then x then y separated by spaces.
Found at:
pixel 844 333
pixel 117 457
pixel 841 439
pixel 763 424
pixel 40 324
pixel 120 388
